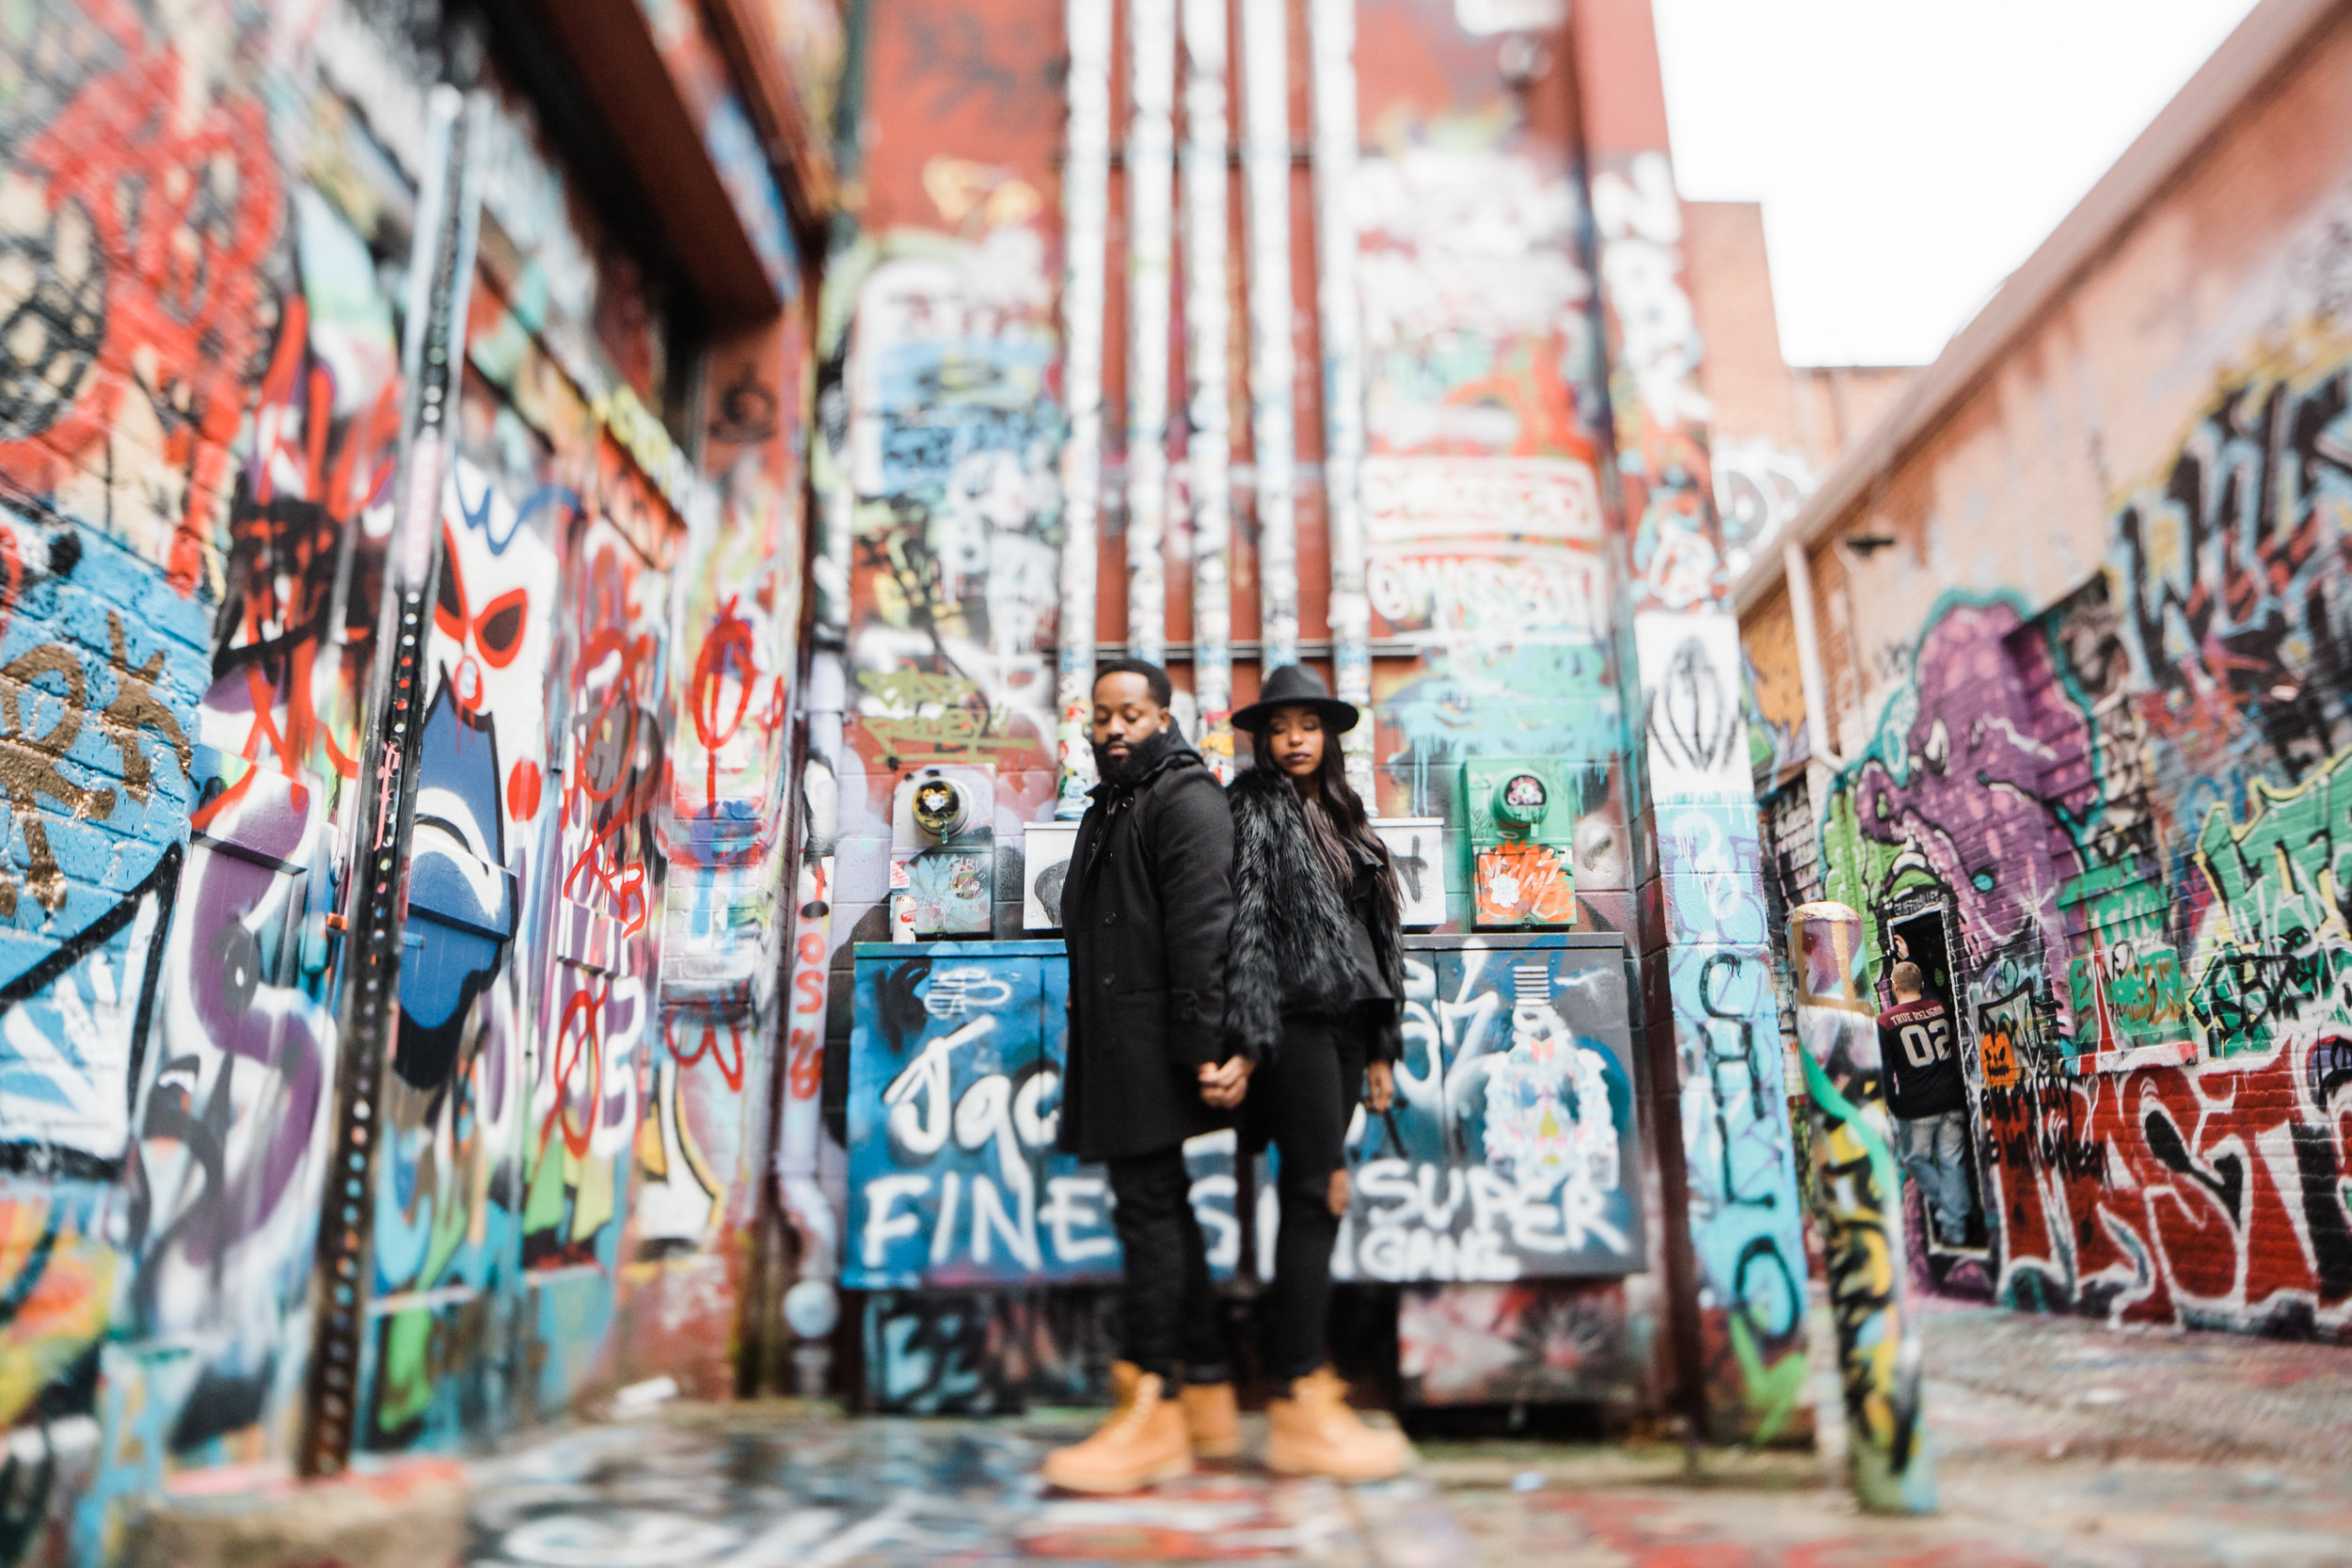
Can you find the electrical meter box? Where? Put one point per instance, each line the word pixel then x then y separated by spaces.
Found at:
pixel 1522 821
pixel 943 853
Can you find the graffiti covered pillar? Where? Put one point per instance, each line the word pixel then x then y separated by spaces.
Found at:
pixel 1734 1250
pixel 1859 1194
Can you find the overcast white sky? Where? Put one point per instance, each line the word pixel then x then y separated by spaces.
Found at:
pixel 1910 153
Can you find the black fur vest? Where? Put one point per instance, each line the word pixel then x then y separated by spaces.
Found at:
pixel 1290 948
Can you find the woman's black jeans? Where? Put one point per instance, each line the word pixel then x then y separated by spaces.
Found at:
pixel 1167 1308
pixel 1300 1101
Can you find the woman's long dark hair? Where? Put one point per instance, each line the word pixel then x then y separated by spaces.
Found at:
pixel 1336 821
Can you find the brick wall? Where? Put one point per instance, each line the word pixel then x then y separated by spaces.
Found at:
pixel 2094 698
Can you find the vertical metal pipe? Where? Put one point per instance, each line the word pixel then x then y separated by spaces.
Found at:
pixel 1332 74
pixel 1150 161
pixel 440 281
pixel 1266 176
pixel 1086 199
pixel 810 1302
pixel 1208 328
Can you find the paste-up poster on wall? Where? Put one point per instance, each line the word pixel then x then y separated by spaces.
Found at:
pixel 1417 849
pixel 1046 848
pixel 1510 1152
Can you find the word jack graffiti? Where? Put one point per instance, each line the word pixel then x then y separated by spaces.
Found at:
pixel 955 1092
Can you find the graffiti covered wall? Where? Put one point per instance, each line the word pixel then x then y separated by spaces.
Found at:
pixel 196 446
pixel 1481 523
pixel 2111 755
pixel 1736 1248
pixel 201 438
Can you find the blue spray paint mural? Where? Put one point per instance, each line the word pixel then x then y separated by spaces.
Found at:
pixel 955 1097
pixel 100 670
pixel 1510 1152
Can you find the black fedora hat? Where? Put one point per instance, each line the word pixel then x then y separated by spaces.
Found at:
pixel 1295 686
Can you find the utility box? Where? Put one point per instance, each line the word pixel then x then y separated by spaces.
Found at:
pixel 943 853
pixel 956 1068
pixel 1522 816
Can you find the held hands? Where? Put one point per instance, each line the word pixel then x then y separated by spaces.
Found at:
pixel 1223 1084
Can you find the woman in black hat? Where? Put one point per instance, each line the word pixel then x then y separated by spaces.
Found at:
pixel 1314 972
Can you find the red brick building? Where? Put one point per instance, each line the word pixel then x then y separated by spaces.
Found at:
pixel 2050 683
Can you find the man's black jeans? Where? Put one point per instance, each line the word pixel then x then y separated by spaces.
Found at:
pixel 1169 1310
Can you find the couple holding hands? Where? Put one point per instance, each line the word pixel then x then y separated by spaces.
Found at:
pixel 1235 958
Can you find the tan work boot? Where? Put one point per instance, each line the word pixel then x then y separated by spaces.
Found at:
pixel 1313 1432
pixel 1143 1442
pixel 1213 1419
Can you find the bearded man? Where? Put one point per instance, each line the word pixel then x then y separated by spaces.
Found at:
pixel 1145 908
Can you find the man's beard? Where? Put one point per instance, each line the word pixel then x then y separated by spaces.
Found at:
pixel 1121 772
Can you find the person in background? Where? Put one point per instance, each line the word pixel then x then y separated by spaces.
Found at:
pixel 1929 1101
pixel 1313 978
pixel 1145 910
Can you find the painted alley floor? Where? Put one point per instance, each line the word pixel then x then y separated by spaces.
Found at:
pixel 827 1492
pixel 2058 1445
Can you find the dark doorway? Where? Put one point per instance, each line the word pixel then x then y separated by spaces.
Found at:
pixel 1921 938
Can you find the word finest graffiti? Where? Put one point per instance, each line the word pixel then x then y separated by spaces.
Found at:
pixel 955 1094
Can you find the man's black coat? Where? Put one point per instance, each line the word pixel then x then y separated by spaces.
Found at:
pixel 1145 906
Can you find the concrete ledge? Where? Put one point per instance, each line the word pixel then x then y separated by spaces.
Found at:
pixel 411 1514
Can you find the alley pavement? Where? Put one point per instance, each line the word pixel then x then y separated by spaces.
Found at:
pixel 740 1492
pixel 2058 1444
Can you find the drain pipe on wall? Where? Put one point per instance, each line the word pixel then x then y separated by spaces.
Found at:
pixel 1797 570
pixel 1086 202
pixel 1151 181
pixel 1266 232
pixel 1207 332
pixel 1332 78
